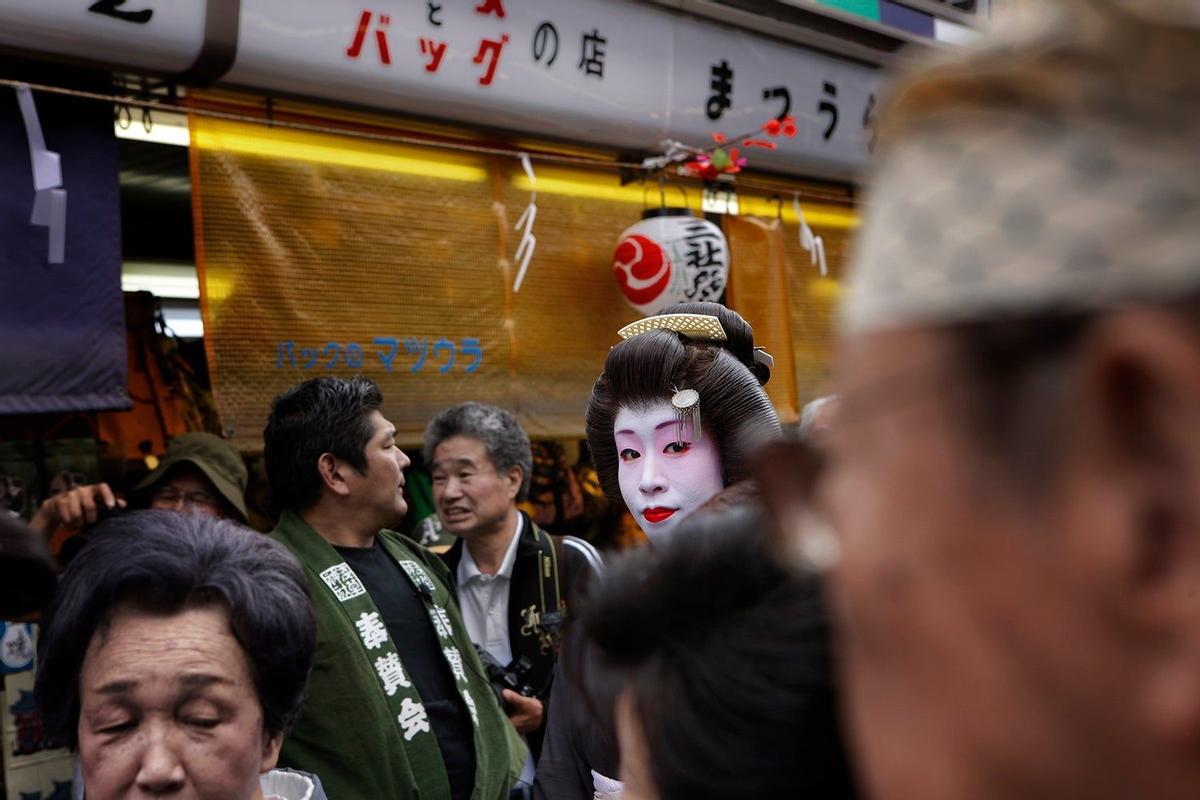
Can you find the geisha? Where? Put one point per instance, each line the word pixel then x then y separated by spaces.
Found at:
pixel 671 423
pixel 678 409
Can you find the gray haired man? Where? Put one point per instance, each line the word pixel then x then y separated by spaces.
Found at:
pixel 513 579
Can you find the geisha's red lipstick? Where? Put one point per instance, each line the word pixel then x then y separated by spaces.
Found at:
pixel 657 514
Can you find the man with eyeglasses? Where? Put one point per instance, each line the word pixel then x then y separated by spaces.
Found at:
pixel 1013 480
pixel 200 473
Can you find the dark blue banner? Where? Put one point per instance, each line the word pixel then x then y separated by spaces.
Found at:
pixel 62 331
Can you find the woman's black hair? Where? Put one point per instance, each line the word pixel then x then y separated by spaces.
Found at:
pixel 648 369
pixel 165 562
pixel 726 657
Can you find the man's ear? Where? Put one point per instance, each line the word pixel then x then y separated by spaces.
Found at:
pixel 1136 429
pixel 332 472
pixel 516 477
pixel 1138 416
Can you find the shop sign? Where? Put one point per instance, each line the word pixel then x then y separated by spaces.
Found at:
pixel 611 72
pixel 615 73
pixel 153 35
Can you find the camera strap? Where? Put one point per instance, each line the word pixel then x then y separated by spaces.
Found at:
pixel 550 555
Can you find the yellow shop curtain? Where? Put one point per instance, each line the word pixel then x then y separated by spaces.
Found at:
pixel 328 254
pixel 758 290
pixel 775 285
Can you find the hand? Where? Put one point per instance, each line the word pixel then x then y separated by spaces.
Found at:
pixel 526 713
pixel 75 508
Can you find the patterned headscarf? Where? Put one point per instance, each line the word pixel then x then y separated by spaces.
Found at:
pixel 1055 166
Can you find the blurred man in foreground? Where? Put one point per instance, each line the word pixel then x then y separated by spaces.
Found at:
pixel 1015 472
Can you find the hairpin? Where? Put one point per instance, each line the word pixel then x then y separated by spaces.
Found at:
pixel 686 403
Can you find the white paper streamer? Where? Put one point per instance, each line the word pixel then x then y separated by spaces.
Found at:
pixel 808 240
pixel 50 199
pixel 528 240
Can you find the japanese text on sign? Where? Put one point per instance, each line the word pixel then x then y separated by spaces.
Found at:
pixel 414 353
pixel 486 52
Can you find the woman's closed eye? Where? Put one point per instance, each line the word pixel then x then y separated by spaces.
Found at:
pixel 202 713
pixel 121 726
pixel 207 723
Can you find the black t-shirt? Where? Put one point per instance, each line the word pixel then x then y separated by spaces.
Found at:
pixel 408 624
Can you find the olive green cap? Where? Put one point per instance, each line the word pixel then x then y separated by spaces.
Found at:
pixel 212 455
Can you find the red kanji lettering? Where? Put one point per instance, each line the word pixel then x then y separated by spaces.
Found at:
pixel 435 51
pixel 360 35
pixel 491 7
pixel 495 47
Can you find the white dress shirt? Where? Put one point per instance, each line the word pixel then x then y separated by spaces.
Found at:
pixel 483 600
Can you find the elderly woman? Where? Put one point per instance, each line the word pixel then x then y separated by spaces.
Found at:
pixel 671 423
pixel 175 656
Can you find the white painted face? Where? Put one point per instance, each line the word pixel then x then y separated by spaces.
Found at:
pixel 663 479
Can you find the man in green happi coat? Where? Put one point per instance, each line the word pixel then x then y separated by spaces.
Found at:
pixel 398 705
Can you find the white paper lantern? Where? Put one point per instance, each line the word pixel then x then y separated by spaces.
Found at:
pixel 671 257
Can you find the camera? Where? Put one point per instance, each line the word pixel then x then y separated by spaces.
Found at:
pixel 515 676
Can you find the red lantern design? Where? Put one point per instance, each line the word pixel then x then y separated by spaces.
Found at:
pixel 671 257
pixel 642 269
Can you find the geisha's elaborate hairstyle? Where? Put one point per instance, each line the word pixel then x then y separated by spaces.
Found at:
pixel 650 367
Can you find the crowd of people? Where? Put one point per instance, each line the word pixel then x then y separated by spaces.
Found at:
pixel 970 573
